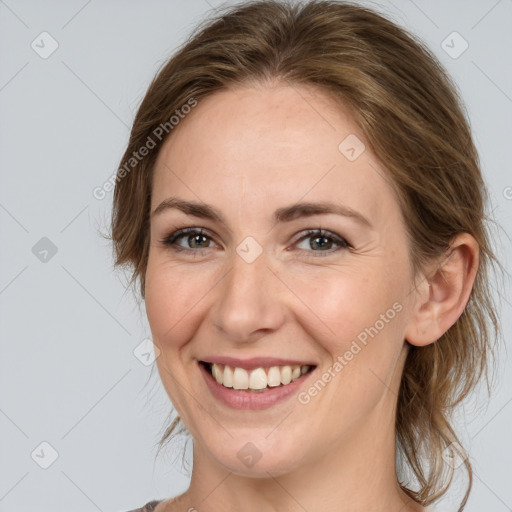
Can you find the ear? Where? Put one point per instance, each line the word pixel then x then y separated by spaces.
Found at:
pixel 442 295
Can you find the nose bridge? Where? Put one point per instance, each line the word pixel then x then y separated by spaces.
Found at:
pixel 248 299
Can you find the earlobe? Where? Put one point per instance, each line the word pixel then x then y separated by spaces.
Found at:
pixel 442 295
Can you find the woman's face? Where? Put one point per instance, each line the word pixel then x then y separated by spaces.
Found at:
pixel 251 287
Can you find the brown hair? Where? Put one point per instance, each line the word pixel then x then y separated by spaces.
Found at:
pixel 410 112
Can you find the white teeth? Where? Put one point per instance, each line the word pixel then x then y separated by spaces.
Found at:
pixel 274 377
pixel 286 374
pixel 257 379
pixel 240 378
pixel 228 377
pixel 217 373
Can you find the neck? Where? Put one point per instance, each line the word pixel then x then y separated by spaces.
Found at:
pixel 356 475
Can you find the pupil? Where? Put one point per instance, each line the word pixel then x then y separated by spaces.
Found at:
pixel 195 239
pixel 320 238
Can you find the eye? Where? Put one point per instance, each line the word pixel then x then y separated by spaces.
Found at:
pixel 321 241
pixel 194 238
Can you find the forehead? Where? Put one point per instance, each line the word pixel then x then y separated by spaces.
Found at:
pixel 271 145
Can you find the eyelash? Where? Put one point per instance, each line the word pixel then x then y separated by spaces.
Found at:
pixel 170 240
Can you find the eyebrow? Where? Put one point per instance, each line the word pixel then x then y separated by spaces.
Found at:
pixel 284 214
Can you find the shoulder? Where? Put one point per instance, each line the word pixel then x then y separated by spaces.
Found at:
pixel 148 507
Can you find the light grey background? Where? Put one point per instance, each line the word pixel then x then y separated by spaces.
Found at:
pixel 68 373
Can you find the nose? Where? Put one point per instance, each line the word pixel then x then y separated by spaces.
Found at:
pixel 248 302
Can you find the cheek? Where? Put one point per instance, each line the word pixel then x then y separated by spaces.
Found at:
pixel 172 307
pixel 361 333
pixel 172 300
pixel 344 303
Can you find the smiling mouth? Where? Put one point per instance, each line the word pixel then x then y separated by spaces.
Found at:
pixel 257 380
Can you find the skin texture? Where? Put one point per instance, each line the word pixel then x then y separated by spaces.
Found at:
pixel 248 152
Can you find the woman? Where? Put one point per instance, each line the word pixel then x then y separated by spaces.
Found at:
pixel 302 204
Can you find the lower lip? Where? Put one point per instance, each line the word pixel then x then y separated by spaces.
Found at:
pixel 240 399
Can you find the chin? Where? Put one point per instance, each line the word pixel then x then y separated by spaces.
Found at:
pixel 260 458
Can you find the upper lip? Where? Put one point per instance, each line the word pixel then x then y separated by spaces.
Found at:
pixel 255 362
